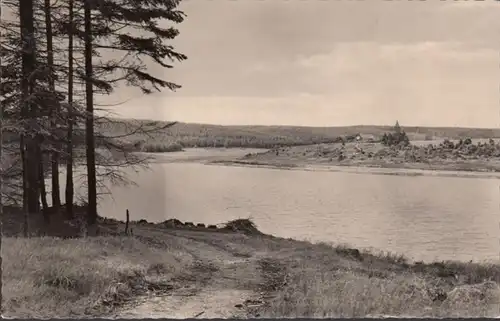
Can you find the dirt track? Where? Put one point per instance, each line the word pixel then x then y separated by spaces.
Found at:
pixel 221 283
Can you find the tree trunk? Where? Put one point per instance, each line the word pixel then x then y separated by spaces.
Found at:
pixel 54 112
pixel 30 163
pixel 89 124
pixel 25 180
pixel 1 201
pixel 69 193
pixel 43 191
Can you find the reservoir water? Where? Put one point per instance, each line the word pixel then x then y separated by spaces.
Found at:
pixel 423 217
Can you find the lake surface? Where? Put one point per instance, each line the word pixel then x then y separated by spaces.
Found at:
pixel 424 217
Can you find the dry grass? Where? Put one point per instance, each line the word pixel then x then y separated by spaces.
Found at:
pixel 314 291
pixel 335 281
pixel 324 280
pixel 50 277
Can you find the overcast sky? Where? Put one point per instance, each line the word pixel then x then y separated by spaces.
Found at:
pixel 332 63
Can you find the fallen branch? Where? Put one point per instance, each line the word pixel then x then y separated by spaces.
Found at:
pixel 198 314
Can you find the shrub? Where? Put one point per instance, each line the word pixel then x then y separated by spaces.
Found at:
pixel 162 148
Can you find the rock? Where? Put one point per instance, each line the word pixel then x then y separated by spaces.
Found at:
pixel 473 293
pixel 212 227
pixel 200 225
pixel 189 224
pixel 437 294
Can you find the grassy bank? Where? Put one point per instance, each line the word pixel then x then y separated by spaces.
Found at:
pixel 442 156
pixel 99 276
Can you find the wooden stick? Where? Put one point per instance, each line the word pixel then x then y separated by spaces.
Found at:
pixel 126 223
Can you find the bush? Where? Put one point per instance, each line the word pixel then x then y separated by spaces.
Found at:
pixel 161 148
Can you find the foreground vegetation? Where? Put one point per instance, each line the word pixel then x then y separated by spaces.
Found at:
pixel 100 276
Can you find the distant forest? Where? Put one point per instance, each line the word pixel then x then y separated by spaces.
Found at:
pixel 206 135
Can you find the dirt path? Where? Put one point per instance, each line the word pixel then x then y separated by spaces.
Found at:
pixel 208 303
pixel 222 282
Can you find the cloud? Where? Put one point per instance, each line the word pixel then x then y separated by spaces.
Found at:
pixel 475 4
pixel 335 62
pixel 425 83
pixel 369 66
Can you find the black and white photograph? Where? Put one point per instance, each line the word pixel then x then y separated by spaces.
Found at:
pixel 250 159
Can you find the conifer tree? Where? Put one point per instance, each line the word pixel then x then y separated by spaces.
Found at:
pixel 62 69
pixel 113 17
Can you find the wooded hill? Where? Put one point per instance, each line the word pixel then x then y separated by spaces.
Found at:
pixel 207 135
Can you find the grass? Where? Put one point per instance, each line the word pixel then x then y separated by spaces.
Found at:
pixel 49 277
pixel 383 285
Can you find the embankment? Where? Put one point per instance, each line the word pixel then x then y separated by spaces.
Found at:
pixel 176 269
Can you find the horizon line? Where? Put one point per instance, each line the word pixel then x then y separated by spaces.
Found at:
pixel 306 126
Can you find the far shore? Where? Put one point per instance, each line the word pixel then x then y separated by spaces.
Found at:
pixel 292 158
pixel 453 170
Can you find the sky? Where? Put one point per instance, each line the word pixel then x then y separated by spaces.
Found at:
pixel 331 63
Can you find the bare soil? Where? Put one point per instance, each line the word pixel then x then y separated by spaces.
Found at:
pixel 222 283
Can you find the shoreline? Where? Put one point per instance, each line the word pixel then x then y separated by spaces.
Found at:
pixel 397 170
pixel 262 158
